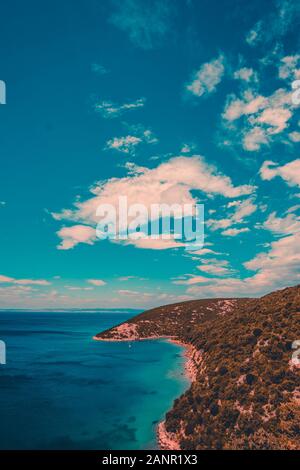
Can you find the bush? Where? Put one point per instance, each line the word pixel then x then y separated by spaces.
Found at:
pixel 250 379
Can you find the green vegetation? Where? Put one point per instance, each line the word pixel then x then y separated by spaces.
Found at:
pixel 246 393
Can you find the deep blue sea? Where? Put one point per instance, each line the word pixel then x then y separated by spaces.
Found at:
pixel 61 390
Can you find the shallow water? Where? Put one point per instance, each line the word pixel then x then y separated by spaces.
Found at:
pixel 62 390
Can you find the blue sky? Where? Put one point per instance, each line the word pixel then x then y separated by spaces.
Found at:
pixel 134 97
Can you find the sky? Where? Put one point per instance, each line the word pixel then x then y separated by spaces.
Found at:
pixel 186 101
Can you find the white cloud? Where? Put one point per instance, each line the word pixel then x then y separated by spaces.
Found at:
pixel 288 69
pixel 71 236
pixel 262 117
pixel 207 78
pixel 293 209
pixel 214 269
pixel 204 252
pixel 146 23
pixel 275 268
pixel 249 104
pixel 276 118
pixel 191 280
pixel 128 292
pixel 123 144
pixel 242 210
pixel 294 136
pixel 23 282
pixel 246 74
pixel 99 69
pixel 282 17
pixel 129 278
pixel 283 225
pixel 233 204
pixel 290 172
pixel 171 183
pixel 217 224
pixel 254 139
pixel 280 265
pixel 75 288
pixel 233 232
pixel 127 144
pixel 188 148
pixel 153 244
pixel 211 267
pixel 253 36
pixel 110 110
pixel 96 282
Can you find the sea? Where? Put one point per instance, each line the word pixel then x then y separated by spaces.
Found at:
pixel 60 389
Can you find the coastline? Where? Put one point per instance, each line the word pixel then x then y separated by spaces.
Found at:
pixel 192 357
pixel 167 440
pixel 233 365
pixel 190 366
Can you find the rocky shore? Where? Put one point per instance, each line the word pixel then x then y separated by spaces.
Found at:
pixel 126 332
pixel 244 387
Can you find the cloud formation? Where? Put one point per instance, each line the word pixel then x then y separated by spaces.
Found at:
pixel 207 78
pixel 170 183
pixel 127 144
pixel 246 74
pixel 75 234
pixel 241 210
pixel 233 232
pixel 290 224
pixel 147 22
pixel 281 19
pixel 275 268
pixel 110 110
pixel 289 68
pixel 23 282
pixel 290 172
pixel 96 282
pixel 262 118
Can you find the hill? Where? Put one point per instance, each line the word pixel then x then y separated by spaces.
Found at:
pixel 245 389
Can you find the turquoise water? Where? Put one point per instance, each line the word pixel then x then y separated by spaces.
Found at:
pixel 62 390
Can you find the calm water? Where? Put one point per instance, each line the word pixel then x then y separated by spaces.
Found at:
pixel 62 390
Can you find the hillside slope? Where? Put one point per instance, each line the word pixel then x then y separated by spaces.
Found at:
pixel 245 392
